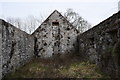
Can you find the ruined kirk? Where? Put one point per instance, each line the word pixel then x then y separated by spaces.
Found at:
pixel 55 37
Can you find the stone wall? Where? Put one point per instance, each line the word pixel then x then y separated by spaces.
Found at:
pixel 55 36
pixel 0 50
pixel 17 47
pixel 101 45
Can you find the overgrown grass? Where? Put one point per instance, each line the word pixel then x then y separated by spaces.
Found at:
pixel 48 68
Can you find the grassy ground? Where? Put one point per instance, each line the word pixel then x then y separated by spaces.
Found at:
pixel 52 68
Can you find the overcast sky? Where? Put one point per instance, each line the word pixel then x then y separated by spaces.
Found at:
pixel 94 11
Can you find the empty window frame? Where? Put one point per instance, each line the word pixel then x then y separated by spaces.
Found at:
pixel 55 23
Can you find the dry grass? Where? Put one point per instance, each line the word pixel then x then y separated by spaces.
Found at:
pixel 57 68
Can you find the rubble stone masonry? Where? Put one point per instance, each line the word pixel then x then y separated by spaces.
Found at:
pixel 101 45
pixel 17 47
pixel 56 36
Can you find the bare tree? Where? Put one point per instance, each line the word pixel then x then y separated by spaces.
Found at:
pixel 33 23
pixel 11 20
pixel 80 24
pixel 18 23
pixel 15 21
pixel 28 24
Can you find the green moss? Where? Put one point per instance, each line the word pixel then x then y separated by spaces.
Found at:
pixel 116 49
pixel 102 73
pixel 81 70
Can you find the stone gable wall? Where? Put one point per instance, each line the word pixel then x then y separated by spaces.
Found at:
pixel 52 39
pixel 101 44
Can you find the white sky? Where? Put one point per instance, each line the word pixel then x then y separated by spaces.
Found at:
pixel 94 11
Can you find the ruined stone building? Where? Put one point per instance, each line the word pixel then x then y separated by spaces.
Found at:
pixel 56 36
